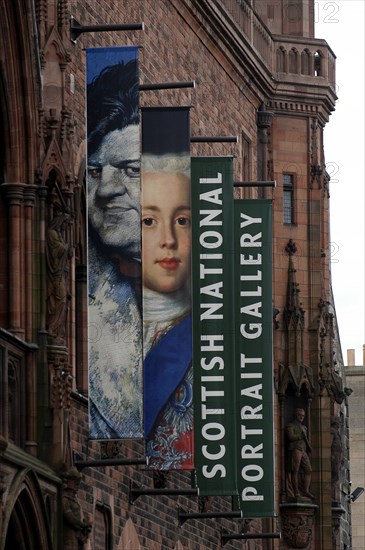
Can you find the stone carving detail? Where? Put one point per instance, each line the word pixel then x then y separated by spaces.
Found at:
pixel 111 449
pixel 316 168
pixel 76 527
pixel 337 457
pixel 58 254
pixel 293 312
pixel 330 378
pixel 297 530
pixel 299 467
pixel 61 380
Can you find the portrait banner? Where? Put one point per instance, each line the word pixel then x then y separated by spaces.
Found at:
pixel 213 358
pixel 166 284
pixel 254 356
pixel 114 244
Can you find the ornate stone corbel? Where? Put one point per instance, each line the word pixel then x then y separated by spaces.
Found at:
pixel 297 526
pixel 60 377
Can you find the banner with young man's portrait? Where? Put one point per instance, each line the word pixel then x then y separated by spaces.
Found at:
pixel 166 299
pixel 114 244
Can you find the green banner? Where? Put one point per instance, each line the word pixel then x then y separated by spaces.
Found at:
pixel 212 291
pixel 253 356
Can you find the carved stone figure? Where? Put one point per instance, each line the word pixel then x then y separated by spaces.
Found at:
pixel 58 253
pixel 297 530
pixel 298 460
pixel 77 529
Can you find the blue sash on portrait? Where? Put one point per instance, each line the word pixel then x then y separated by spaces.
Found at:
pixel 164 368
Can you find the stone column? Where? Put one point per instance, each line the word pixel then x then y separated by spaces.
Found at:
pixel 29 197
pixel 263 121
pixel 14 194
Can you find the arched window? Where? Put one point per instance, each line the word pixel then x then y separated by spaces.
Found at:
pixel 13 401
pixel 280 60
pixel 288 198
pixel 28 526
pixel 305 62
pixel 102 533
pixel 14 405
pixel 318 62
pixel 293 61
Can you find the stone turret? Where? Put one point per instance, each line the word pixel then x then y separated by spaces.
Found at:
pixel 290 17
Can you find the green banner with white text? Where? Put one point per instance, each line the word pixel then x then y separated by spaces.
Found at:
pixel 253 356
pixel 212 276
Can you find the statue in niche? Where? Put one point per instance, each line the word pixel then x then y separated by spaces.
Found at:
pixel 58 254
pixel 336 456
pixel 299 472
pixel 76 527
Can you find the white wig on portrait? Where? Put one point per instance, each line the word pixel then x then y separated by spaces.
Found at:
pixel 178 163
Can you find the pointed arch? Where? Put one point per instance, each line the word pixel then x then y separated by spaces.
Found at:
pixel 318 63
pixel 20 83
pixel 306 62
pixel 281 60
pixel 26 523
pixel 293 61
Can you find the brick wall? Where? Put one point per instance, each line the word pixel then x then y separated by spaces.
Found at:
pixel 174 47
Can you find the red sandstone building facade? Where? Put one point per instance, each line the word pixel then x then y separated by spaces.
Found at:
pixel 260 75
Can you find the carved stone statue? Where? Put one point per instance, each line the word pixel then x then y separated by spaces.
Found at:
pixel 298 461
pixel 58 253
pixel 76 528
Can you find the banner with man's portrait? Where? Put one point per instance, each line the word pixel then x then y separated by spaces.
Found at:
pixel 114 244
pixel 166 267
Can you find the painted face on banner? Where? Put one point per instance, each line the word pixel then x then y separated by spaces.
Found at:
pixel 166 231
pixel 114 190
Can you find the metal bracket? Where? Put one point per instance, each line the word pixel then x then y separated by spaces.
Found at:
pixel 184 516
pixel 76 29
pixel 214 139
pixel 167 85
pixel 255 184
pixel 80 464
pixel 136 491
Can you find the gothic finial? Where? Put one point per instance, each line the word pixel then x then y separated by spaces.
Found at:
pixel 263 117
pixel 291 247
